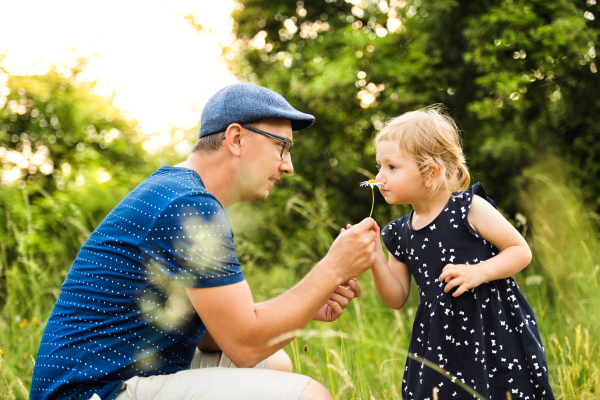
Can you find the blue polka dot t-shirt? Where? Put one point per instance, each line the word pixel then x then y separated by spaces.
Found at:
pixel 123 310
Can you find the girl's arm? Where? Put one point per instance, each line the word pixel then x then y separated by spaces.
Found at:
pixel 493 227
pixel 392 281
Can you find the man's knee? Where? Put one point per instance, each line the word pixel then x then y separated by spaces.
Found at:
pixel 315 391
pixel 279 361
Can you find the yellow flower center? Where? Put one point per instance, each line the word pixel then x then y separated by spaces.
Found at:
pixel 372 181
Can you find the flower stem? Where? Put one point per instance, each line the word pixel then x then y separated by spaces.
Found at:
pixel 372 204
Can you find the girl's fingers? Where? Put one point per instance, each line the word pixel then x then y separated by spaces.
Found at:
pixel 451 284
pixel 460 290
pixel 447 267
pixel 447 273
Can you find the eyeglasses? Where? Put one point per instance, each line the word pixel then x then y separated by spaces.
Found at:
pixel 287 143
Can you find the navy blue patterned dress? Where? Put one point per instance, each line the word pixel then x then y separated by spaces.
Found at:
pixel 487 337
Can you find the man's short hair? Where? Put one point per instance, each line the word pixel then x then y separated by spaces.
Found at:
pixel 212 143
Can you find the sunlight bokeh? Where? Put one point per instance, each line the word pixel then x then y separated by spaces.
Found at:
pixel 160 59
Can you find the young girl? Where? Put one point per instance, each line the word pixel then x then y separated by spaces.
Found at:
pixel 472 319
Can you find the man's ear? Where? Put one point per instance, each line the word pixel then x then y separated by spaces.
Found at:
pixel 433 174
pixel 233 139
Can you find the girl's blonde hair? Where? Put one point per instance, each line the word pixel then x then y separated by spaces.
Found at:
pixel 430 136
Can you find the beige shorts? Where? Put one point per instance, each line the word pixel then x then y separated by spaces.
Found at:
pixel 214 377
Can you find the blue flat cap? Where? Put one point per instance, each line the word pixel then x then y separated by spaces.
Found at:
pixel 243 103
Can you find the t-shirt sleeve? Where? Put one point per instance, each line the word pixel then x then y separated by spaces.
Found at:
pixel 392 240
pixel 466 199
pixel 191 244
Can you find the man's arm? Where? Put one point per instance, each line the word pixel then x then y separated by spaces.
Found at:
pixel 244 331
pixel 329 312
pixel 208 344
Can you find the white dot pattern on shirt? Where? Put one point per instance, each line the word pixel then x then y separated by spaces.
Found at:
pixel 113 291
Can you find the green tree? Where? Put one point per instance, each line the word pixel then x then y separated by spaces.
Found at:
pixel 54 132
pixel 68 156
pixel 516 76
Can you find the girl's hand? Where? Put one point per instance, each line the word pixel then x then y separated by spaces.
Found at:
pixel 464 276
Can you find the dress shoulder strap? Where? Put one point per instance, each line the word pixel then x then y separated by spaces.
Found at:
pixel 392 237
pixel 465 199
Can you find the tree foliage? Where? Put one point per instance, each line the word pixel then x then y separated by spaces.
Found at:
pixel 68 156
pixel 516 76
pixel 55 132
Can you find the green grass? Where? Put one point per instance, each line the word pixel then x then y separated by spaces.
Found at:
pixel 369 361
pixel 362 355
pixel 561 285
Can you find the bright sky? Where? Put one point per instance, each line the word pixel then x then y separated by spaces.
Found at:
pixel 144 51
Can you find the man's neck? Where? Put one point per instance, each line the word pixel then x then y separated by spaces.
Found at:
pixel 217 178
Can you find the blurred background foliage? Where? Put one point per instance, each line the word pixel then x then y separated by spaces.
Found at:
pixel 516 76
pixel 519 76
pixel 67 158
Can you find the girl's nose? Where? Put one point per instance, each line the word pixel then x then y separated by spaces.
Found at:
pixel 379 177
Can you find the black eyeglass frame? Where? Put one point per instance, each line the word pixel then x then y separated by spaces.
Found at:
pixel 287 142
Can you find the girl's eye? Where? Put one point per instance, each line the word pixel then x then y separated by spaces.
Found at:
pixel 378 166
pixel 392 167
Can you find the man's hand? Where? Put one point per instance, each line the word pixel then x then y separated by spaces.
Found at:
pixel 354 250
pixel 381 258
pixel 222 307
pixel 462 275
pixel 338 301
pixel 335 306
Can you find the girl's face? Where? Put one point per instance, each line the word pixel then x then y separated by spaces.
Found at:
pixel 399 173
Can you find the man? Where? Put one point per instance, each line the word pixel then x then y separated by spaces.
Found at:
pixel 160 273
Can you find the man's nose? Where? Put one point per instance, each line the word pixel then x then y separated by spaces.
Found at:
pixel 286 165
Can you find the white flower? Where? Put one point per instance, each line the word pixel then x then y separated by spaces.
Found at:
pixel 371 182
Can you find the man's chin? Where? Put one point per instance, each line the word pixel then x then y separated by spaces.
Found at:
pixel 254 197
pixel 262 196
pixel 258 196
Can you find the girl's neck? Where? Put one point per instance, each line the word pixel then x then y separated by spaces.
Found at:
pixel 427 210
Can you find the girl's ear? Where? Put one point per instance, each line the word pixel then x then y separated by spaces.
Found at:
pixel 433 174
